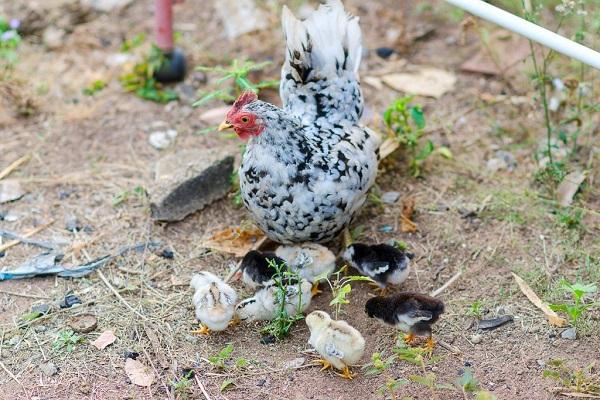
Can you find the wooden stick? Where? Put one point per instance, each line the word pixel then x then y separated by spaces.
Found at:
pixel 256 246
pixel 26 235
pixel 118 296
pixel 449 347
pixel 14 165
pixel 201 386
pixel 31 296
pixel 445 285
pixel 10 374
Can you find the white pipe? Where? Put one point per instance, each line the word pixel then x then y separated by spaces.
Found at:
pixel 530 31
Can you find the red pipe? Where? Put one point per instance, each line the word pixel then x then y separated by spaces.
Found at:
pixel 163 15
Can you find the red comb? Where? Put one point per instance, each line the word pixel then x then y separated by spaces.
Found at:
pixel 245 98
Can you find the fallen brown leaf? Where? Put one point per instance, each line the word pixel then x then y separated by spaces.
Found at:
pixel 408 208
pixel 138 373
pixel 553 318
pixel 425 81
pixel 568 187
pixel 105 339
pixel 236 241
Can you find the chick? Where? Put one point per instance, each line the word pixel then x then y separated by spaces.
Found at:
pixel 383 263
pixel 214 301
pixel 410 312
pixel 309 260
pixel 337 342
pixel 256 269
pixel 265 304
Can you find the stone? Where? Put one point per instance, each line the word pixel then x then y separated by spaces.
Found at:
pixel 83 323
pixel 188 181
pixel 240 17
pixel 10 190
pixel 160 140
pixel 49 369
pixel 569 334
pixel 476 338
pixel 390 197
pixel 108 5
pixel 295 363
pixel 53 37
pixel 384 52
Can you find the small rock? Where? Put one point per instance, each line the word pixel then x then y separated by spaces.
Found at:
pixel 83 323
pixel 118 59
pixel 541 363
pixel 108 5
pixel 496 164
pixel 269 339
pixel 53 37
pixel 569 334
pixel 188 181
pixel 40 328
pixel 476 338
pixel 69 301
pixel 168 254
pixel 508 158
pixel 384 52
pixel 130 354
pixel 10 190
pixel 191 339
pixel 41 308
pixel 49 369
pixel 390 197
pixel 385 228
pixel 72 224
pixel 240 17
pixel 261 382
pixel 214 116
pixel 295 363
pixel 14 340
pixel 162 139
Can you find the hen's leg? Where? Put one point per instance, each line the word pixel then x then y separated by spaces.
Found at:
pixel 410 339
pixel 429 344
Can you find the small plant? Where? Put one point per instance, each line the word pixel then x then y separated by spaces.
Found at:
pixel 141 80
pixel 281 326
pixel 340 288
pixel 578 292
pixel 67 340
pixel 406 123
pixel 391 385
pixel 570 218
pixel 468 384
pixel 236 79
pixel 182 386
pixel 132 43
pixel 219 359
pixel 9 41
pixel 378 365
pixel 476 309
pixel 583 381
pixel 94 88
pixel 138 192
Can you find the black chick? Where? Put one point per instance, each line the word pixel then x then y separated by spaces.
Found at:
pixel 256 270
pixel 383 263
pixel 413 313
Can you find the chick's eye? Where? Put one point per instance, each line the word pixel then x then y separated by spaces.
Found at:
pixel 245 119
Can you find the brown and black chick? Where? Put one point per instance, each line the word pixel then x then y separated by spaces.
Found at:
pixel 413 313
pixel 257 268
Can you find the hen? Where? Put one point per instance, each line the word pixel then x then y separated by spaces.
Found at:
pixel 308 166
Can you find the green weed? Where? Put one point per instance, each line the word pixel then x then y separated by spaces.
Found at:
pixel 66 340
pixel 578 291
pixel 340 286
pixel 94 87
pixel 138 192
pixel 583 381
pixel 9 42
pixel 182 386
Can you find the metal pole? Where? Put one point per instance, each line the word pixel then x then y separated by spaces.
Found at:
pixel 530 31
pixel 163 15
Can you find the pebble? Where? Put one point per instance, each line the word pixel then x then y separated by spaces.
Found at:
pixel 162 139
pixel 295 363
pixel 72 224
pixel 569 334
pixel 41 308
pixel 69 301
pixel 53 37
pixel 390 197
pixel 168 254
pixel 502 160
pixel 385 228
pixel 476 338
pixel 384 52
pixel 14 340
pixel 10 190
pixel 49 369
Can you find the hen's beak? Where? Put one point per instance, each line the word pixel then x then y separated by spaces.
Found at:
pixel 225 125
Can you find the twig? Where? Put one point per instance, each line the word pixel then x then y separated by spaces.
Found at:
pixel 33 242
pixel 26 235
pixel 10 374
pixel 118 296
pixel 31 296
pixel 449 347
pixel 256 246
pixel 448 283
pixel 15 164
pixel 201 386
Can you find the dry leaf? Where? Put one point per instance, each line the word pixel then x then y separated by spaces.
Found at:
pixel 507 51
pixel 373 81
pixel 408 208
pixel 138 373
pixel 553 318
pixel 105 339
pixel 236 241
pixel 214 116
pixel 426 81
pixel 568 187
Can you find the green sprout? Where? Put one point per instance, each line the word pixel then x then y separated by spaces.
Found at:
pixel 340 288
pixel 578 291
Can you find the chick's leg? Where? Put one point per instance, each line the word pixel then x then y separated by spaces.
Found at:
pixel 410 339
pixel 321 361
pixel 315 289
pixel 429 343
pixel 346 374
pixel 202 330
pixel 235 321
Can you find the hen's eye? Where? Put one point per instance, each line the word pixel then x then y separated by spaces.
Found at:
pixel 245 119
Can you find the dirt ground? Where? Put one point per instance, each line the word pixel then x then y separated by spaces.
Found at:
pixel 85 150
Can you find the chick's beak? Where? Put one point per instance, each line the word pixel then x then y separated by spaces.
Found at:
pixel 225 125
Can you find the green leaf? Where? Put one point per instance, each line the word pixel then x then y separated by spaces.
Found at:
pixel 426 380
pixel 226 384
pixel 484 395
pixel 241 363
pixel 425 151
pixel 418 117
pixel 444 152
pixel 467 381
pixel 225 353
pixel 340 297
pixel 30 316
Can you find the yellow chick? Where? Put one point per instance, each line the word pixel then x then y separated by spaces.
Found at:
pixel 309 260
pixel 337 342
pixel 214 301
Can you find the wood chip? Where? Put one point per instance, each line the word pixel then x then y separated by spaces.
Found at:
pixel 105 339
pixel 408 208
pixel 425 81
pixel 138 373
pixel 553 318
pixel 568 187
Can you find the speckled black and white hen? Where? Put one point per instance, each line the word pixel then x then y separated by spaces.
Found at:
pixel 308 166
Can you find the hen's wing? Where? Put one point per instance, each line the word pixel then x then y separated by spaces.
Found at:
pixel 319 79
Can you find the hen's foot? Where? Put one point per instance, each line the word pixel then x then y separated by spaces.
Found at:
pixel 410 339
pixel 202 330
pixel 429 344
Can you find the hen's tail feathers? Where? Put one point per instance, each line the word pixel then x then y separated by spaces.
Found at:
pixel 319 79
pixel 326 44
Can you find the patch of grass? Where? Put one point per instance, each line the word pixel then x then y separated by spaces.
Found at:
pixel 476 309
pixel 66 340
pixel 281 326
pixel 569 218
pixel 234 80
pixel 406 123
pixel 583 381
pixel 182 386
pixel 138 192
pixel 578 291
pixel 133 43
pixel 141 80
pixel 94 87
pixel 340 286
